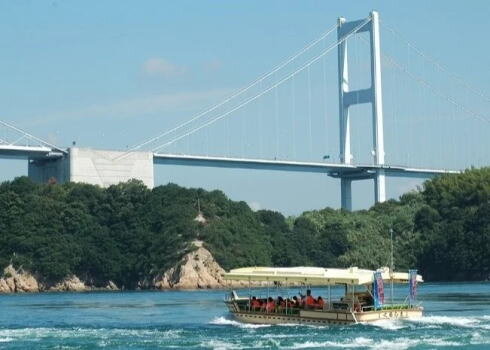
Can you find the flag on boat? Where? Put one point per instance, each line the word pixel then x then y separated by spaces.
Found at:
pixel 412 285
pixel 378 290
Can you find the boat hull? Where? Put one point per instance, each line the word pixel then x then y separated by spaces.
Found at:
pixel 326 317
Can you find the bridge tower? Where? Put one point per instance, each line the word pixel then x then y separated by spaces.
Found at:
pixel 348 98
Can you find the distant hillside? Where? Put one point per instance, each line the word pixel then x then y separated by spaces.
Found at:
pixel 127 234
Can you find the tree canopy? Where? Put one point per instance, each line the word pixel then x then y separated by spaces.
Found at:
pixel 126 233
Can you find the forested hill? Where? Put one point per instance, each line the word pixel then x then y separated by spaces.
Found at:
pixel 127 233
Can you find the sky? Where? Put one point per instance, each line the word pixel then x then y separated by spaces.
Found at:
pixel 110 74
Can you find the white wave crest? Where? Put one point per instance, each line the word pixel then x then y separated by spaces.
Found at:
pixel 267 344
pixel 398 344
pixel 65 333
pixel 391 325
pixel 278 335
pixel 441 342
pixel 478 338
pixel 362 342
pixel 227 322
pixel 6 340
pixel 357 342
pixel 220 345
pixel 466 322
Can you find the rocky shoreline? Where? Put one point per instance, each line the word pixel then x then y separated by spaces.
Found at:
pixel 196 270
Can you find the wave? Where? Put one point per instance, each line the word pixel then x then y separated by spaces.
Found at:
pixel 279 335
pixel 477 339
pixel 357 342
pixel 362 342
pixel 221 345
pixel 222 321
pixel 42 332
pixel 464 322
pixel 391 325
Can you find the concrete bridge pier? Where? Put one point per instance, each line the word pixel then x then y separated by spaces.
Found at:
pixel 96 167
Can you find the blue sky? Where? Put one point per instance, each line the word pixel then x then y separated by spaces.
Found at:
pixel 110 74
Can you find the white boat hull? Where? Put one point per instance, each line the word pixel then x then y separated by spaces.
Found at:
pixel 326 317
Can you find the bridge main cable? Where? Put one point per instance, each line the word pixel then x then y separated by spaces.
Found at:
pixel 239 92
pixel 435 90
pixel 306 65
pixel 30 136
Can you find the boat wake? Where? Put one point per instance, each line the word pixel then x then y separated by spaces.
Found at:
pixel 38 334
pixel 454 321
pixel 391 325
pixel 370 343
pixel 222 321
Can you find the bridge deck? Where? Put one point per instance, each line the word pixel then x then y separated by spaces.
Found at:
pixel 355 172
pixel 24 152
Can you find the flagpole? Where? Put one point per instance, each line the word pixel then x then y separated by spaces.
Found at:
pixel 391 267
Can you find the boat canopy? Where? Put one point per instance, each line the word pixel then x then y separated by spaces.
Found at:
pixel 315 275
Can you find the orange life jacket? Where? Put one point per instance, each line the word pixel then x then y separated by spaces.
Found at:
pixel 270 306
pixel 310 300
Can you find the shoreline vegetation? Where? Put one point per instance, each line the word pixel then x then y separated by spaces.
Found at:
pixel 80 237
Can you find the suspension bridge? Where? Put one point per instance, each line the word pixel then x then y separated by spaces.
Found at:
pixel 341 106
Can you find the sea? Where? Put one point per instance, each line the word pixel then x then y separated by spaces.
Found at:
pixel 457 315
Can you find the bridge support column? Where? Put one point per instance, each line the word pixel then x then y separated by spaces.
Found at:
pixel 377 107
pixel 346 194
pixel 44 170
pixel 380 187
pixel 344 122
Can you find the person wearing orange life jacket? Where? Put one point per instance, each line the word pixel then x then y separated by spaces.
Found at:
pixel 309 300
pixel 320 303
pixel 255 304
pixel 271 305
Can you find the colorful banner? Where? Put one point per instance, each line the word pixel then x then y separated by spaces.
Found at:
pixel 378 290
pixel 412 285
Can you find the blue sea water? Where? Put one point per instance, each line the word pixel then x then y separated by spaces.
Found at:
pixel 457 316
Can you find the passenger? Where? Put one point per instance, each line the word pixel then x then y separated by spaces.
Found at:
pixel 320 303
pixel 281 302
pixel 357 305
pixel 270 306
pixel 309 301
pixel 296 301
pixel 255 304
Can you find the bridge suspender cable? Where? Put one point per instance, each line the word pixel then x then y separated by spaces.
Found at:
pixel 436 63
pixel 239 92
pixel 432 88
pixel 306 65
pixel 26 134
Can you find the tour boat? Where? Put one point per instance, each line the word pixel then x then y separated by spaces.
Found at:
pixel 363 297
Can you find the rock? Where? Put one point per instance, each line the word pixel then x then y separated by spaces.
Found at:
pixel 200 219
pixel 4 287
pixel 196 270
pixel 111 286
pixel 17 281
pixel 70 284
